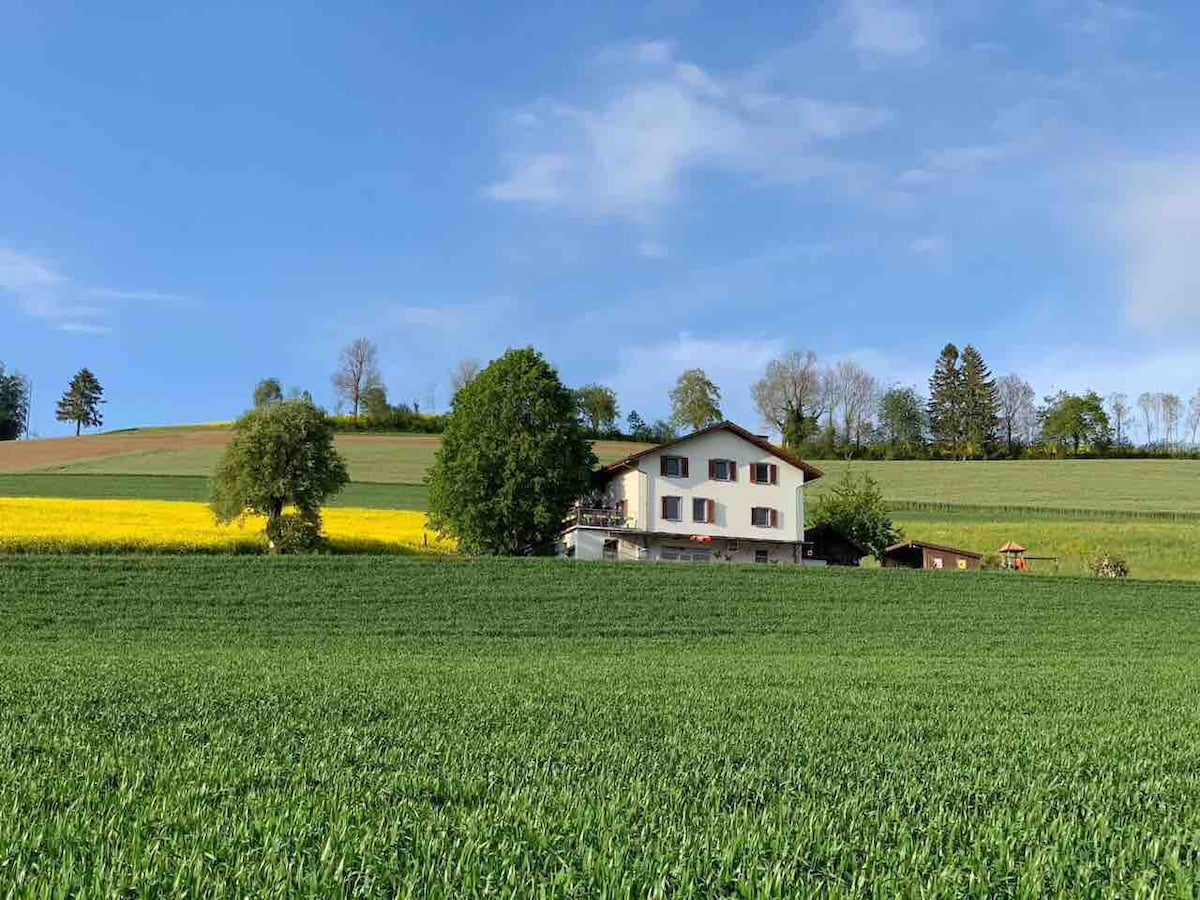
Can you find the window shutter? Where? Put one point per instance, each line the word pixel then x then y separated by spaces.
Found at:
pixel 774 518
pixel 712 469
pixel 664 507
pixel 754 473
pixel 732 470
pixel 683 466
pixel 712 512
pixel 774 474
pixel 662 466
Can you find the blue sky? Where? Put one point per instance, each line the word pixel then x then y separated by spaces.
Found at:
pixel 191 200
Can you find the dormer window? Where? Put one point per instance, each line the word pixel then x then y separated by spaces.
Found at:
pixel 722 470
pixel 673 466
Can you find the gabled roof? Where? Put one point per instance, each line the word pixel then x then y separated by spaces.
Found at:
pixel 811 473
pixel 830 529
pixel 904 545
pixel 1012 547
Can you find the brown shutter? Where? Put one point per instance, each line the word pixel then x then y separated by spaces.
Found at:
pixel 664 507
pixel 774 518
pixel 683 466
pixel 712 512
pixel 732 470
pixel 712 469
pixel 662 466
pixel 774 474
pixel 754 473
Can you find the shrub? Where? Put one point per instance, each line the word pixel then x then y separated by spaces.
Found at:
pixel 1108 565
pixel 295 533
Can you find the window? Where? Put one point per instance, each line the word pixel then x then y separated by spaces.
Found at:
pixel 704 510
pixel 764 473
pixel 761 556
pixel 684 554
pixel 673 466
pixel 762 517
pixel 938 563
pixel 672 509
pixel 722 470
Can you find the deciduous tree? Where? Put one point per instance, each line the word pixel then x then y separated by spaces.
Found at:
pixel 358 369
pixel 81 402
pixel 14 405
pixel 902 420
pixel 695 401
pixel 1018 414
pixel 1119 412
pixel 598 406
pixel 1075 420
pixel 464 373
pixel 856 507
pixel 269 390
pixel 514 457
pixel 788 397
pixel 281 454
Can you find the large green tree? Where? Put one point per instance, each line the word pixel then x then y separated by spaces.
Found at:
pixel 855 506
pixel 1074 421
pixel 902 420
pixel 946 419
pixel 695 401
pixel 14 405
pixel 598 407
pixel 280 455
pixel 980 404
pixel 80 402
pixel 514 457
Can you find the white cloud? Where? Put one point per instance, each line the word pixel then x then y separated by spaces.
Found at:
pixel 882 28
pixel 652 249
pixel 646 373
pixel 1158 225
pixel 628 153
pixel 929 245
pixel 40 291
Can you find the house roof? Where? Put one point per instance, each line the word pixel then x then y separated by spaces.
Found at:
pixel 827 528
pixel 811 473
pixel 905 545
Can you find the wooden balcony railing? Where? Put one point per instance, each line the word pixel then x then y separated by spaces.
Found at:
pixel 587 517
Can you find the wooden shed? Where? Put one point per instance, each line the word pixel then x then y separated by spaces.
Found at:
pixel 922 555
pixel 829 545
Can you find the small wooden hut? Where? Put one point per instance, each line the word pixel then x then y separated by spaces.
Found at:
pixel 923 555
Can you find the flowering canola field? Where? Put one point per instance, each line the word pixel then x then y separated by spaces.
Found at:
pixel 53 525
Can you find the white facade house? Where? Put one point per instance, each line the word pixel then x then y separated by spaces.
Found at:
pixel 720 494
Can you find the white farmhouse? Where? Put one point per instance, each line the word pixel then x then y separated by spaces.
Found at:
pixel 721 493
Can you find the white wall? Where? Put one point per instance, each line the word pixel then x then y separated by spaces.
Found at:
pixel 644 489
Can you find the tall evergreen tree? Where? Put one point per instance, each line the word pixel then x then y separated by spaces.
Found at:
pixel 981 403
pixel 946 396
pixel 80 403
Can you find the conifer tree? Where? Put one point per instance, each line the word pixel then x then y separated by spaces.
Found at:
pixel 981 403
pixel 946 420
pixel 80 403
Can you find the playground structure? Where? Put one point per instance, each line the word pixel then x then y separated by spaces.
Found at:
pixel 1016 557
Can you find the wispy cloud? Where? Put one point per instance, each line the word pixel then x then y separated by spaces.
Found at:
pixel 41 291
pixel 887 29
pixel 660 118
pixel 646 373
pixel 1159 231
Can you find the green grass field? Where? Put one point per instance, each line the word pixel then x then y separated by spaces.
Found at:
pixel 190 487
pixel 379 727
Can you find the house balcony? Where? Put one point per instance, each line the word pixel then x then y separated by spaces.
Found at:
pixel 591 517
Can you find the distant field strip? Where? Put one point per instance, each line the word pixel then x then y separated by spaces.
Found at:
pixel 50 525
pixel 191 488
pixel 1053 512
pixel 1085 484
pixel 249 727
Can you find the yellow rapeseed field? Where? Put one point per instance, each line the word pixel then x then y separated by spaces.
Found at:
pixel 47 525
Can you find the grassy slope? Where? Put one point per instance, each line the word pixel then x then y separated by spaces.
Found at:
pixel 388 727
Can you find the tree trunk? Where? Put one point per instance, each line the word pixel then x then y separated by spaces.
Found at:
pixel 78 425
